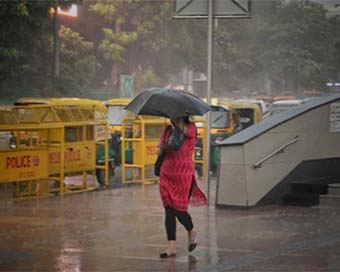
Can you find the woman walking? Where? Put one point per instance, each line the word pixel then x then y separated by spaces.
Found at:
pixel 177 183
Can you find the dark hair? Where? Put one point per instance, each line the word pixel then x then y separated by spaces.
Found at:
pixel 186 119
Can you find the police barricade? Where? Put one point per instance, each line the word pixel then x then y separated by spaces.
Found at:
pixel 81 124
pixel 139 144
pixel 140 139
pixel 44 146
pixel 23 155
pixel 75 113
pixel 200 147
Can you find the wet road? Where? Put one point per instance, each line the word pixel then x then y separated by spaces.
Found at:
pixel 121 229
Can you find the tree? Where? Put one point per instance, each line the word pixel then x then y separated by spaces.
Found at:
pixel 294 45
pixel 291 43
pixel 79 65
pixel 21 26
pixel 25 29
pixel 132 36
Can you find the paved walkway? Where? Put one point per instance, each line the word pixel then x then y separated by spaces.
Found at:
pixel 121 229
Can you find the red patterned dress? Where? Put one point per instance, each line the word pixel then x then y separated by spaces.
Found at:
pixel 178 174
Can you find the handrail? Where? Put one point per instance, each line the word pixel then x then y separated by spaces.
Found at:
pixel 276 151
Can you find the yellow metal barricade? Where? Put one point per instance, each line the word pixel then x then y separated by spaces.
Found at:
pixel 139 144
pixel 43 148
pixel 81 118
pixel 81 124
pixel 201 147
pixel 23 153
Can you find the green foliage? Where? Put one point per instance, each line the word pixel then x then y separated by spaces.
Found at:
pixel 114 44
pixel 115 40
pixel 134 33
pixel 25 28
pixel 293 44
pixel 19 37
pixel 147 79
pixel 78 64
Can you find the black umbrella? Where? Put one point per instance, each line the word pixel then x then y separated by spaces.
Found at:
pixel 167 103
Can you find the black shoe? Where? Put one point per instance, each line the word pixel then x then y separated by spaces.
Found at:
pixel 165 255
pixel 192 241
pixel 192 246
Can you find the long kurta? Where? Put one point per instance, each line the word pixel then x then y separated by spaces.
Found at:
pixel 177 174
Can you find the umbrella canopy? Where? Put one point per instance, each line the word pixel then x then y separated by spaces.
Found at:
pixel 167 103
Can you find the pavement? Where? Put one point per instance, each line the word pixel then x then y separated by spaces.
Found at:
pixel 121 228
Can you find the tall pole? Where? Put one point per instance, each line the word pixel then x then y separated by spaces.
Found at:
pixel 209 85
pixel 56 44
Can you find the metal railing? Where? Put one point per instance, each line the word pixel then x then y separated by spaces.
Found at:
pixel 276 151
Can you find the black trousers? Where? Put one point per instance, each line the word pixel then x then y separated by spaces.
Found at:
pixel 170 221
pixel 183 217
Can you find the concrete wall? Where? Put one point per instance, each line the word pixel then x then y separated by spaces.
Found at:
pixel 240 184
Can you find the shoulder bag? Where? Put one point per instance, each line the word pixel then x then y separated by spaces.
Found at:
pixel 160 159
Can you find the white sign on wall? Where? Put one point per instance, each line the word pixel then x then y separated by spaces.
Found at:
pixel 334 117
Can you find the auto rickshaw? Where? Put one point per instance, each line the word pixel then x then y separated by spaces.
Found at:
pixel 249 113
pixel 228 118
pixel 222 126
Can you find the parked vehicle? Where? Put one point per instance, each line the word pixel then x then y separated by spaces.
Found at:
pixel 262 105
pixel 282 105
pixel 283 97
pixel 238 115
pixel 222 126
pixel 247 112
pixel 227 118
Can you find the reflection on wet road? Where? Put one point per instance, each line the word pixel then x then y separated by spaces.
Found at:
pixel 121 229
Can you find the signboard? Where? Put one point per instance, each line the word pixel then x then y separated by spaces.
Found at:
pixel 100 133
pixel 126 85
pixel 334 117
pixel 221 8
pixel 23 165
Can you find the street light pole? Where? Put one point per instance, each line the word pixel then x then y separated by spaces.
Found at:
pixel 56 44
pixel 209 85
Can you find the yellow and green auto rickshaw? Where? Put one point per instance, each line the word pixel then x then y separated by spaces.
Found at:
pixel 248 113
pixel 222 126
pixel 228 118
